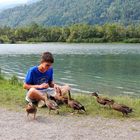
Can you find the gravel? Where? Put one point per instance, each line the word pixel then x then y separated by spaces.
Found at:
pixel 16 126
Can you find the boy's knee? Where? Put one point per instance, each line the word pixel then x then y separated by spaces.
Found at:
pixel 32 90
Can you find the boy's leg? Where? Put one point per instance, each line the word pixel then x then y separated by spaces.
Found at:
pixel 34 94
pixel 37 95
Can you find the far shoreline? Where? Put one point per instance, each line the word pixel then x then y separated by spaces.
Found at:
pixel 26 42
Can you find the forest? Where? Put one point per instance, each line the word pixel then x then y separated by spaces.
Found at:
pixel 77 33
pixel 69 12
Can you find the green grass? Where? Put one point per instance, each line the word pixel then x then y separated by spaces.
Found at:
pixel 12 96
pixel 93 108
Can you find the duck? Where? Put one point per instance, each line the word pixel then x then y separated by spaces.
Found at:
pixel 102 100
pixel 59 97
pixel 63 90
pixel 121 108
pixel 75 104
pixel 31 109
pixel 52 105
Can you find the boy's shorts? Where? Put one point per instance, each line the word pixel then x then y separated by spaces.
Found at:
pixel 49 92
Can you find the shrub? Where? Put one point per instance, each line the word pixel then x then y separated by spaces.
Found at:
pixel 14 80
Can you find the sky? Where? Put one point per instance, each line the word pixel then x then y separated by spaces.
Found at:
pixel 5 2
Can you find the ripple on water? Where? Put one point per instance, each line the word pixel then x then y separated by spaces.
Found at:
pixel 98 77
pixel 67 79
pixel 120 87
pixel 67 71
pixel 80 91
pixel 128 92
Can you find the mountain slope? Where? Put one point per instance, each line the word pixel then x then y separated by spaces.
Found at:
pixel 66 12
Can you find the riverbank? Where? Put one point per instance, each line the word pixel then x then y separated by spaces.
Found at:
pixel 15 125
pixel 95 41
pixel 12 96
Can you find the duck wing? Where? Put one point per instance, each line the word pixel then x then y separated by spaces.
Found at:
pixel 107 99
pixel 122 108
pixel 101 101
pixel 78 105
pixel 51 104
pixel 31 109
pixel 117 107
pixel 128 109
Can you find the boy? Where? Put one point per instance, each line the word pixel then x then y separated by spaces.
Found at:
pixel 39 80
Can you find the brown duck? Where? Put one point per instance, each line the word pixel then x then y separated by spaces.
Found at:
pixel 52 105
pixel 75 104
pixel 59 98
pixel 102 100
pixel 121 108
pixel 31 109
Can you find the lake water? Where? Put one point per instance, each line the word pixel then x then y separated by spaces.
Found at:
pixel 112 69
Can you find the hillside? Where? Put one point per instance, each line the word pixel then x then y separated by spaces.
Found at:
pixel 66 12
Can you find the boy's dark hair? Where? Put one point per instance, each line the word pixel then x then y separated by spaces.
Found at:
pixel 47 57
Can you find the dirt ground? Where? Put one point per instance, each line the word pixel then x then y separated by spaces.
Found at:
pixel 16 126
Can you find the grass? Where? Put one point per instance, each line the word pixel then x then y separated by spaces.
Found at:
pixel 12 96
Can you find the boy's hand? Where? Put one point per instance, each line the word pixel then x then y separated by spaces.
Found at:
pixel 44 85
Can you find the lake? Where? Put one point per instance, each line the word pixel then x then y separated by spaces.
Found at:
pixel 112 69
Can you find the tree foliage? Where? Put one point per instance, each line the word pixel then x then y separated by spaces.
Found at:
pixel 74 33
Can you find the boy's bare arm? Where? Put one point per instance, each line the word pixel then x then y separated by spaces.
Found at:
pixel 28 86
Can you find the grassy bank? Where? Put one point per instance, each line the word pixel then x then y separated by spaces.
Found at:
pixel 12 96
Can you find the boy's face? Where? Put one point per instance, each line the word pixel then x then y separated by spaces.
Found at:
pixel 46 65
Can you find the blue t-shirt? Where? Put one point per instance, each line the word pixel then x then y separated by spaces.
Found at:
pixel 35 77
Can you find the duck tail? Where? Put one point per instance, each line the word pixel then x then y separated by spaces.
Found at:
pixel 130 110
pixel 83 108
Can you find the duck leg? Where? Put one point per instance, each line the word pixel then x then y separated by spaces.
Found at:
pixel 57 111
pixel 124 114
pixel 49 111
pixel 27 114
pixel 73 112
pixel 77 112
pixel 34 116
pixel 109 106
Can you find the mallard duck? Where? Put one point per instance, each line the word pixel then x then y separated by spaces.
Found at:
pixel 59 98
pixel 31 109
pixel 102 100
pixel 75 104
pixel 63 90
pixel 121 108
pixel 52 105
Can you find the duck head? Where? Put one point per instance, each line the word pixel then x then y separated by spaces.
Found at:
pixel 111 102
pixel 94 94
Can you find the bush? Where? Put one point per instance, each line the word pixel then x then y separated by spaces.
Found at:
pixel 132 40
pixel 4 38
pixel 1 76
pixel 37 39
pixel 14 80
